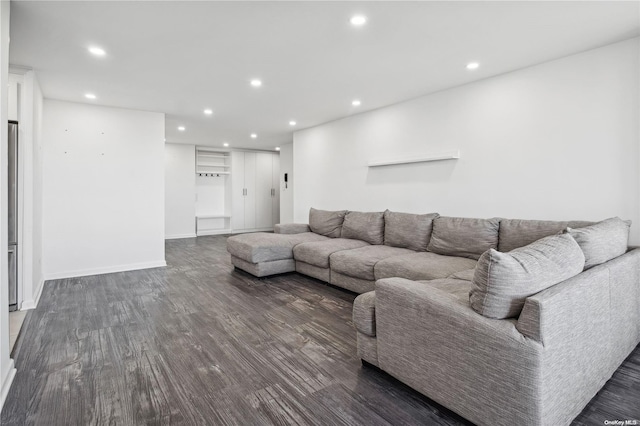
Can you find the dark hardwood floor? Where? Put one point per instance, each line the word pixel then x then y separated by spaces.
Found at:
pixel 198 343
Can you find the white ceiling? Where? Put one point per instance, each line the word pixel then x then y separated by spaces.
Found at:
pixel 180 57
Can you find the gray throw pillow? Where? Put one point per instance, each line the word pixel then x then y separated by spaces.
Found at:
pixel 463 237
pixel 406 230
pixel 367 227
pixel 603 241
pixel 327 223
pixel 503 281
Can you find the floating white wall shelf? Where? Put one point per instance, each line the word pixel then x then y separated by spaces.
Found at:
pixel 452 155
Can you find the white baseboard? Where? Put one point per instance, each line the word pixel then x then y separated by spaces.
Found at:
pixel 214 232
pixel 6 383
pixel 33 303
pixel 105 270
pixel 178 236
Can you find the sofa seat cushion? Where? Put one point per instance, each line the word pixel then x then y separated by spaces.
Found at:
pixel 503 281
pixel 266 247
pixel 458 289
pixel 603 241
pixel 466 275
pixel 406 230
pixel 317 253
pixel 367 226
pixel 364 313
pixel 463 236
pixel 422 266
pixel 515 233
pixel 360 263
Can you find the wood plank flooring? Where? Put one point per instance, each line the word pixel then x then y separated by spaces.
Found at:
pixel 198 343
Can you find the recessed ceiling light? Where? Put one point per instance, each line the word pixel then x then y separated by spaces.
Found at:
pixel 358 20
pixel 253 136
pixel 277 148
pixel 225 144
pixel 89 96
pixel 256 83
pixel 355 102
pixel 98 51
pixel 181 128
pixel 472 65
pixel 208 111
pixel 292 123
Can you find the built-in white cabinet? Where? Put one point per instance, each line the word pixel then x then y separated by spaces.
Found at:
pixel 255 191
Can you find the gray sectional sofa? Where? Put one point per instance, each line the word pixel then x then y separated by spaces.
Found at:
pixel 502 321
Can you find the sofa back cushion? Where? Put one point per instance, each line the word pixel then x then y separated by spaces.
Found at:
pixel 367 227
pixel 327 223
pixel 502 281
pixel 516 233
pixel 603 241
pixel 406 230
pixel 463 237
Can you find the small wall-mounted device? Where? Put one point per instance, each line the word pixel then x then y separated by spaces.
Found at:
pixel 286 180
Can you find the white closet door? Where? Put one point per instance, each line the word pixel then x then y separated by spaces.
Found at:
pixel 250 190
pixel 275 181
pixel 237 190
pixel 264 190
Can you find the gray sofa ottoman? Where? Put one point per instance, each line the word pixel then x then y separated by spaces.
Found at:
pixel 263 254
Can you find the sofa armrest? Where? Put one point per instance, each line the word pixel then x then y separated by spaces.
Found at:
pixel 566 307
pixel 587 325
pixel 583 307
pixel 364 313
pixel 291 228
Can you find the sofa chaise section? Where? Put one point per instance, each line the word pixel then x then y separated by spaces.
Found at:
pixel 263 254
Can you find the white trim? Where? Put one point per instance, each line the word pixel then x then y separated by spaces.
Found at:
pixel 33 303
pixel 105 270
pixel 6 383
pixel 453 155
pixel 214 232
pixel 19 69
pixel 177 236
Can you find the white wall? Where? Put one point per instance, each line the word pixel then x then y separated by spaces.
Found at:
pixel 286 192
pixel 103 189
pixel 7 371
pixel 15 81
pixel 179 191
pixel 555 141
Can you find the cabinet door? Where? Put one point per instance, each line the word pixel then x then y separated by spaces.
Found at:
pixel 264 190
pixel 237 190
pixel 275 181
pixel 250 190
